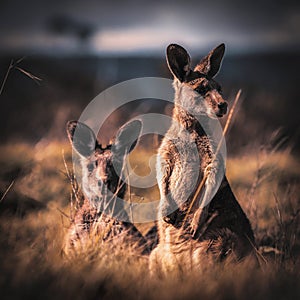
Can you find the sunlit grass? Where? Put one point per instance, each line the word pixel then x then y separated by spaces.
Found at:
pixel 32 256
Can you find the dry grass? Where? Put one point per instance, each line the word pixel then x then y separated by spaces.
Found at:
pixel 31 236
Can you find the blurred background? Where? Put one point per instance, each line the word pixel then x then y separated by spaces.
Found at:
pixel 79 48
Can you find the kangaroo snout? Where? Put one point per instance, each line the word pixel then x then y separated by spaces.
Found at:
pixel 217 103
pixel 222 106
pixel 103 173
pixel 103 178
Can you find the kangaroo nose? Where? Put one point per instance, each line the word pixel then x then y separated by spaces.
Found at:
pixel 222 105
pixel 103 180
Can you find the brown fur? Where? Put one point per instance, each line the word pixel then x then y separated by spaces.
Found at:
pixel 91 230
pixel 93 223
pixel 190 237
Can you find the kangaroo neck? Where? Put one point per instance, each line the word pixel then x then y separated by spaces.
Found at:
pixel 187 120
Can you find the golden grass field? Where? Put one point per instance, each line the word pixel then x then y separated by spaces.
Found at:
pixel 35 215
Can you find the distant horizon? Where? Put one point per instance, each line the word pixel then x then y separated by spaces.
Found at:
pixel 141 28
pixel 153 53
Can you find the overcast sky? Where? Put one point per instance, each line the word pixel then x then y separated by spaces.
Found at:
pixel 139 27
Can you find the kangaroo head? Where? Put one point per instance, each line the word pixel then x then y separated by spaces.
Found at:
pixel 197 89
pixel 99 166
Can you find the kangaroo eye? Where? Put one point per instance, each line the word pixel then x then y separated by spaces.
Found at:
pixel 91 167
pixel 202 90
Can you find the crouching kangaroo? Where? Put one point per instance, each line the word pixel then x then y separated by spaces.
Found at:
pixel 191 235
pixel 100 185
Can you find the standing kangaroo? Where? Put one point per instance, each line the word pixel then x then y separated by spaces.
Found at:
pixel 101 184
pixel 190 233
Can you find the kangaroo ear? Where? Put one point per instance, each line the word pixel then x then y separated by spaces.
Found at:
pixel 82 138
pixel 127 138
pixel 211 63
pixel 179 61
